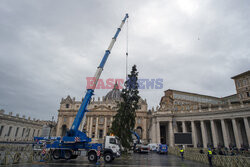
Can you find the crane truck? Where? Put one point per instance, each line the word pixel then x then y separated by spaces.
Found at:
pixel 138 146
pixel 75 141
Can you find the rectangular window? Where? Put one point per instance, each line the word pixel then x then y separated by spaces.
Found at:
pixel 93 135
pixel 1 130
pixel 100 134
pixel 108 121
pixel 10 128
pixel 244 82
pixel 17 129
pixel 112 141
pixel 23 132
pixel 67 105
pixel 28 133
pixel 101 120
pixel 139 120
pixel 248 94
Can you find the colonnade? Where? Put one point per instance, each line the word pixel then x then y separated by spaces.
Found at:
pixel 233 132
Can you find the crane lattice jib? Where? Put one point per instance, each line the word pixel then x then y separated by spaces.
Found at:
pixel 82 110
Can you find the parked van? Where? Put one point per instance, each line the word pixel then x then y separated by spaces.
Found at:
pixel 162 149
pixel 153 146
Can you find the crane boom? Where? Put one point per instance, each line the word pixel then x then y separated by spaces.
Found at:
pixel 83 108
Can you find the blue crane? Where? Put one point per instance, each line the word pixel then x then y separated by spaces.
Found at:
pixel 138 141
pixel 70 146
pixel 83 109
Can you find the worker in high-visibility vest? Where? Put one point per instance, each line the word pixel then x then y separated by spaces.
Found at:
pixel 98 155
pixel 209 155
pixel 182 153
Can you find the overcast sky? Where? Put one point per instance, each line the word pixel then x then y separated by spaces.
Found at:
pixel 48 48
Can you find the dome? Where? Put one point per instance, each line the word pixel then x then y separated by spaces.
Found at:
pixel 114 94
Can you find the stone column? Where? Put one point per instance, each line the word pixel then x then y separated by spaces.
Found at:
pixel 167 134
pixel 214 134
pixel 204 134
pixel 90 127
pixel 58 127
pixel 171 134
pixel 144 131
pixel 111 120
pixel 87 126
pixel 105 127
pixel 236 133
pixel 194 134
pixel 153 131
pixel 184 129
pixel 225 133
pixel 158 135
pixel 247 130
pixel 96 128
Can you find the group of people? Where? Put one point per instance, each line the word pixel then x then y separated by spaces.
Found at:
pixel 229 151
pixel 209 155
pixel 220 151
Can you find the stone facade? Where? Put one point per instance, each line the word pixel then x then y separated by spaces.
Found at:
pixel 242 83
pixel 16 128
pixel 213 122
pixel 98 121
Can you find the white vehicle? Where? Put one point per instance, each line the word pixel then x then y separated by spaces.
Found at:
pixel 142 148
pixel 110 150
pixel 153 146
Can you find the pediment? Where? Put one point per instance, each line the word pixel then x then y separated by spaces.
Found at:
pixel 67 100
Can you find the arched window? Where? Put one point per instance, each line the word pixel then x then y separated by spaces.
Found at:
pixel 139 131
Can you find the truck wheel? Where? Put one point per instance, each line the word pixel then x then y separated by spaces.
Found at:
pixel 108 157
pixel 92 157
pixel 67 154
pixel 56 154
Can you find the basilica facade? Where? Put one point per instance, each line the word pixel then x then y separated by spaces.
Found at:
pixel 99 119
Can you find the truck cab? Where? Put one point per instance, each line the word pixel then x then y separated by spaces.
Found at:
pixel 111 149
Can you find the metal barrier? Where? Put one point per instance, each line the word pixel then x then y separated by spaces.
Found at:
pixel 14 154
pixel 218 160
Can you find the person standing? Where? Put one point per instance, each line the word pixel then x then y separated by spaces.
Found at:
pixel 98 155
pixel 209 155
pixel 182 153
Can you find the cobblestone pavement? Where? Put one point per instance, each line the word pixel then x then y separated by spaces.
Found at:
pixel 151 159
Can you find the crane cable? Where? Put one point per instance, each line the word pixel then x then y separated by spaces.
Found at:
pixel 127 52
